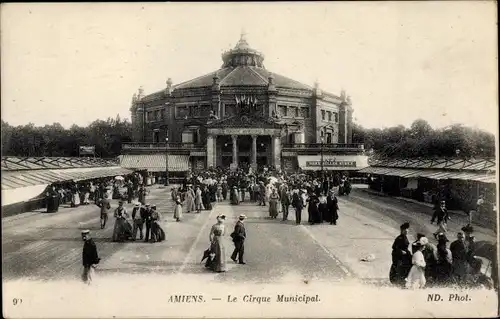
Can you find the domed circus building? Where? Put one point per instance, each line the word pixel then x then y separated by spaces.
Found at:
pixel 242 115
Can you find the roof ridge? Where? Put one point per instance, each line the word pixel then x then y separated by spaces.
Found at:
pixel 221 80
pixel 197 78
pixel 258 74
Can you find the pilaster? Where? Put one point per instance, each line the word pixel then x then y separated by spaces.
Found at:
pixel 235 150
pixel 211 151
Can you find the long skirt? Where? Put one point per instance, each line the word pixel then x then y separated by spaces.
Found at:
pixel 399 272
pixel 416 278
pixel 189 204
pixel 178 212
pixel 157 232
pixel 198 203
pixel 75 200
pixel 122 230
pixel 273 208
pixel 86 198
pixel 218 263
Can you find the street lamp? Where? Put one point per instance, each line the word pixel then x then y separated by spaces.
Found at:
pixel 322 142
pixel 166 161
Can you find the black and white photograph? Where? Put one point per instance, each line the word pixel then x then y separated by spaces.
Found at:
pixel 249 159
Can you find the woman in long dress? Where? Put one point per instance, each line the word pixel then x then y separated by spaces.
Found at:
pixel 273 204
pixel 178 209
pixel 234 196
pixel 217 249
pixel 198 200
pixel 122 229
pixel 190 206
pixel 157 232
pixel 416 277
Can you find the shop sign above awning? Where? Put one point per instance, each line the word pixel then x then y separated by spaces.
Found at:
pixel 333 163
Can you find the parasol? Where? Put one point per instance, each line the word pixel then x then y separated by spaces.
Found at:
pixel 119 178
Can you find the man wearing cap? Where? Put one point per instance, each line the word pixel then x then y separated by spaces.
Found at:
pixel 239 235
pixel 138 222
pixel 401 257
pixel 105 205
pixel 90 257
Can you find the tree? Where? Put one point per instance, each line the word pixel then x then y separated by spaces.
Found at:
pixel 55 140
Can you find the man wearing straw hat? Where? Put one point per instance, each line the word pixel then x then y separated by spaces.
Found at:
pixel 138 222
pixel 90 258
pixel 239 235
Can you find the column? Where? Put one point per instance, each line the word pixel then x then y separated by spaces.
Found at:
pixel 211 150
pixel 254 152
pixel 276 145
pixel 235 150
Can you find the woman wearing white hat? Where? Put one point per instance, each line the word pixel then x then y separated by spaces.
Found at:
pixel 217 249
pixel 416 277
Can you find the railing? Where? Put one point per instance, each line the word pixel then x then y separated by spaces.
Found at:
pixel 128 146
pixel 325 146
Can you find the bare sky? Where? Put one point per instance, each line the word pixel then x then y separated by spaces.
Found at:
pixel 74 63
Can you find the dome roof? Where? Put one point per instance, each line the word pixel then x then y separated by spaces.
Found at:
pixel 242 66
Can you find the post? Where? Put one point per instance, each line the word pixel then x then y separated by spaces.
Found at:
pixel 322 168
pixel 166 161
pixel 235 150
pixel 254 151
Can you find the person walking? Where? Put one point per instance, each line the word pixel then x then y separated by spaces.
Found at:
pixel 218 262
pixel 285 202
pixel 298 204
pixel 239 236
pixel 178 209
pixel 105 205
pixel 147 218
pixel 90 258
pixel 441 214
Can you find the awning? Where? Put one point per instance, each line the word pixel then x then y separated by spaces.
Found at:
pixel 12 196
pixel 431 174
pixel 156 162
pixel 26 178
pixel 333 163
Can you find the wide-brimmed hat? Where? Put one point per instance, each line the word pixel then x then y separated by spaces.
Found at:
pixel 423 241
pixel 85 232
pixel 137 204
pixel 242 216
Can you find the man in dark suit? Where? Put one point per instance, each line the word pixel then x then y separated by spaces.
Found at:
pixel 147 219
pixel 90 258
pixel 239 235
pixel 459 255
pixel 298 204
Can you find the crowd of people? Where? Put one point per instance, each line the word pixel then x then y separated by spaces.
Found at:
pixel 423 264
pixel 265 187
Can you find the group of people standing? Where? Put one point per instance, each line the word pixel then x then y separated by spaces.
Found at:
pixel 424 264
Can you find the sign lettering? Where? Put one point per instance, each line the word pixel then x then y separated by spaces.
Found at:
pixel 87 150
pixel 331 163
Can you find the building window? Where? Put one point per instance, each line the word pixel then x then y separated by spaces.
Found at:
pixel 297 112
pixel 329 116
pixel 323 114
pixel 329 138
pixel 149 116
pixel 181 112
pixel 158 115
pixel 305 112
pixel 336 117
pixel 229 110
pixel 156 136
pixel 195 111
pixel 283 110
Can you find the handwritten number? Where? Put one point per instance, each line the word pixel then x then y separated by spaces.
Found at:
pixel 16 301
